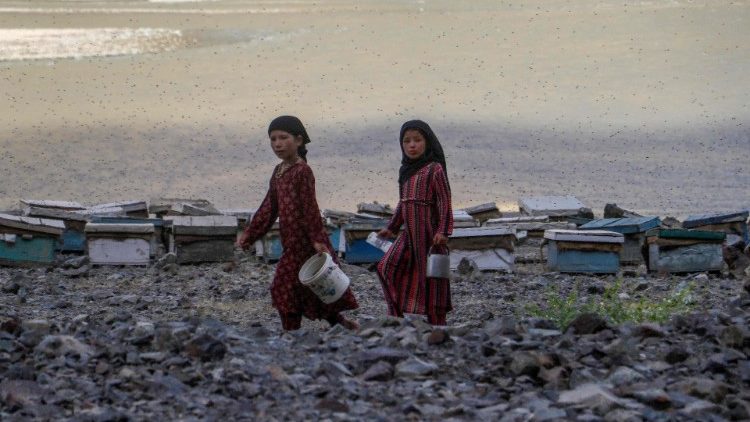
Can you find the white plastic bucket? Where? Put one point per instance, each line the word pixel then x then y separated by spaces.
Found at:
pixel 321 275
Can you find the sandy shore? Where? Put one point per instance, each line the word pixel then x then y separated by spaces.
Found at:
pixel 640 103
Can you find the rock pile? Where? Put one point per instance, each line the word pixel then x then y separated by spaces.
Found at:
pixel 202 342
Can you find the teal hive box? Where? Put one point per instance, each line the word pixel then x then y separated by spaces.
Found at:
pixel 583 251
pixel 28 241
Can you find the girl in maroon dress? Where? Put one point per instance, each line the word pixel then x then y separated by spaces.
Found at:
pixel 291 198
pixel 424 209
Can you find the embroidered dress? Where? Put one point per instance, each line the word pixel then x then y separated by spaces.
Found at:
pixel 424 210
pixel 291 198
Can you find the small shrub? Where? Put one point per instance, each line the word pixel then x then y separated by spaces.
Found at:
pixel 563 309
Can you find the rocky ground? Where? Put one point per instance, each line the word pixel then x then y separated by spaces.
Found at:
pixel 203 343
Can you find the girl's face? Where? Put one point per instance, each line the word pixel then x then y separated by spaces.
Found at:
pixel 414 144
pixel 284 144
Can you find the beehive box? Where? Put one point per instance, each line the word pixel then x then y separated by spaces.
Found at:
pixel 28 241
pixel 119 244
pixel 583 251
pixel 529 234
pixel 633 228
pixel 269 247
pixel 158 240
pixel 195 239
pixel 353 236
pixel 684 251
pixel 73 238
pixel 730 223
pixel 491 248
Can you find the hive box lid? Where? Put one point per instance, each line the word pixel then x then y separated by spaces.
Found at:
pixel 483 232
pixel 591 236
pixel 119 228
pixel 687 234
pixel 556 206
pixel 623 225
pixel 45 203
pixel 157 222
pixel 478 209
pixel 206 225
pixel 714 218
pixel 33 224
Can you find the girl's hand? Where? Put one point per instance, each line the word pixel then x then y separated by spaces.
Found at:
pixel 386 234
pixel 242 243
pixel 440 239
pixel 320 248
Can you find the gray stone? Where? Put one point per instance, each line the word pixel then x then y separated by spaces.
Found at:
pixel 592 396
pixel 622 415
pixel 524 363
pixel 205 347
pixel 587 323
pixel 20 393
pixel 414 366
pixel 62 345
pixel 77 262
pixel 389 355
pixel 654 397
pixel 380 371
pixel 676 354
pixel 624 376
pixel 704 388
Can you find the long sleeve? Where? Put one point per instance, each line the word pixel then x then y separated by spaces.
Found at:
pixel 397 220
pixel 309 207
pixel 263 218
pixel 443 199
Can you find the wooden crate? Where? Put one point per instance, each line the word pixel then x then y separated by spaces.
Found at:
pixel 158 240
pixel 684 251
pixel 28 241
pixel 633 228
pixel 491 248
pixel 583 251
pixel 119 244
pixel 730 223
pixel 197 239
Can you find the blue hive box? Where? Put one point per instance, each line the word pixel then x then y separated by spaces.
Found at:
pixel 583 251
pixel 634 229
pixel 354 235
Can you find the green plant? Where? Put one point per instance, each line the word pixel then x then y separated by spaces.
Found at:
pixel 616 308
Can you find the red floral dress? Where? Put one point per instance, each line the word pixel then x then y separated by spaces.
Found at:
pixel 291 198
pixel 424 209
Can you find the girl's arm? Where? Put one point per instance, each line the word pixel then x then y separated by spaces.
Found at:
pixel 443 197
pixel 394 226
pixel 316 233
pixel 262 221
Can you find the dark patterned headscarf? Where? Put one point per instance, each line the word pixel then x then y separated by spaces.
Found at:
pixel 292 125
pixel 433 152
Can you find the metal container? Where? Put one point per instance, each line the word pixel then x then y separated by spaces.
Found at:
pixel 438 265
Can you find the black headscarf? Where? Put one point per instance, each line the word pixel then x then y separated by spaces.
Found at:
pixel 433 152
pixel 292 125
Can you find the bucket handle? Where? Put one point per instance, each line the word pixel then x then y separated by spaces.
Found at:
pixel 447 250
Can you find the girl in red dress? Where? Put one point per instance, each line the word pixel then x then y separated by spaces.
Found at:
pixel 291 198
pixel 424 209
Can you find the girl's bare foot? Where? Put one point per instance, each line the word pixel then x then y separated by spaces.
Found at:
pixel 349 324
